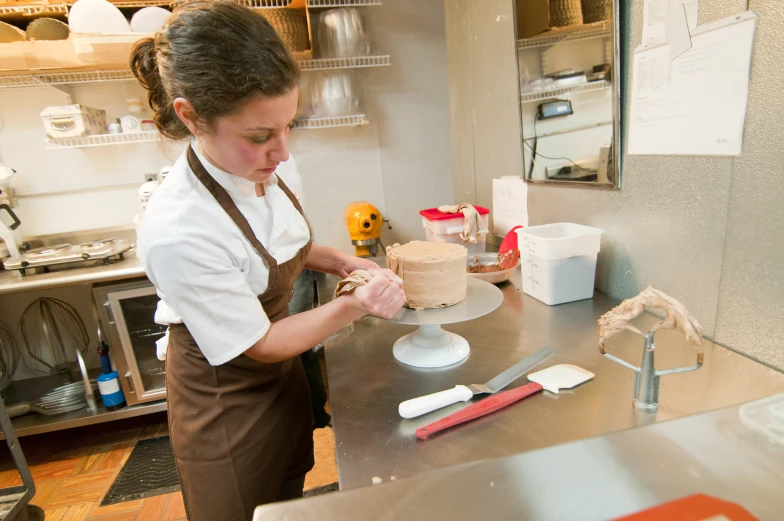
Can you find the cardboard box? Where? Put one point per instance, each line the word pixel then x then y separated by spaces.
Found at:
pixel 73 121
pixel 533 17
pixel 105 51
pixel 39 54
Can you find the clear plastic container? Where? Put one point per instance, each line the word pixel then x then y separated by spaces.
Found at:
pixel 443 227
pixel 559 261
pixel 765 416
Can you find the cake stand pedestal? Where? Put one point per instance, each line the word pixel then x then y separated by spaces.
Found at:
pixel 431 346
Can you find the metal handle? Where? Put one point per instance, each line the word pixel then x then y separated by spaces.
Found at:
pixel 12 215
pixel 63 123
pixel 130 382
pixel 646 379
pixel 18 409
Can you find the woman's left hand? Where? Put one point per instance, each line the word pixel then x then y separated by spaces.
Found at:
pixel 352 264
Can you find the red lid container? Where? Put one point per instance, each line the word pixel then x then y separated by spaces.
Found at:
pixel 434 214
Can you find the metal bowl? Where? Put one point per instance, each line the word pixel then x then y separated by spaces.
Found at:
pixel 341 34
pixel 334 94
pixel 488 259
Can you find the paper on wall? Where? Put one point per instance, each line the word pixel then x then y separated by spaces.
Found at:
pixel 695 104
pixel 654 18
pixel 678 37
pixel 510 204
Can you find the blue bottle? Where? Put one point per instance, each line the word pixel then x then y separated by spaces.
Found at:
pixel 109 381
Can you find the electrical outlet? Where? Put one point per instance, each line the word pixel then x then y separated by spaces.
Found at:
pixel 150 177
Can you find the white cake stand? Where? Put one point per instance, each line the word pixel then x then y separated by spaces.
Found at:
pixel 431 346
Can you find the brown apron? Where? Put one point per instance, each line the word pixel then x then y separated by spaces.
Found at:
pixel 241 431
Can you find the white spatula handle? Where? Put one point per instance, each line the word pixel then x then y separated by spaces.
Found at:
pixel 425 404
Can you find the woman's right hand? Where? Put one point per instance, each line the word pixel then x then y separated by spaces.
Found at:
pixel 380 297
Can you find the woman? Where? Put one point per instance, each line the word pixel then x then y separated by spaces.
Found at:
pixel 223 240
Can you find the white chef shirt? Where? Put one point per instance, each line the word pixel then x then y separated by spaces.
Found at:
pixel 206 272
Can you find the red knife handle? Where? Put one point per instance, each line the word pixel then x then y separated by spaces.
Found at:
pixel 479 409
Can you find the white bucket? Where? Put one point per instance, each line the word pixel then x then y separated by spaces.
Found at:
pixel 559 261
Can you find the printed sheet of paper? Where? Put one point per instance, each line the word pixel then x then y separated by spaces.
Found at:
pixel 510 204
pixel 695 104
pixel 678 36
pixel 654 19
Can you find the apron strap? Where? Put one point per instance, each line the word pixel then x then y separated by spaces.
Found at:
pixel 295 202
pixel 225 201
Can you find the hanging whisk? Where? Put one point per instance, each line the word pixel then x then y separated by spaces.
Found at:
pixel 9 355
pixel 52 333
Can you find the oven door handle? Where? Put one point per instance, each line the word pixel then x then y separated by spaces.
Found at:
pixel 129 378
pixel 15 222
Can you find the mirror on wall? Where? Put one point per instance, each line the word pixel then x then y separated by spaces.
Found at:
pixel 567 54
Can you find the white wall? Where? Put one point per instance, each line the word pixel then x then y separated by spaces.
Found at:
pixel 40 170
pixel 410 100
pixel 400 162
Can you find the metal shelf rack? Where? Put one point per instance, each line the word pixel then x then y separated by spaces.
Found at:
pixel 70 78
pixel 597 30
pixel 62 78
pixel 342 3
pixel 355 120
pixel 102 140
pixel 61 8
pixel 560 91
pixel 272 4
pixel 346 63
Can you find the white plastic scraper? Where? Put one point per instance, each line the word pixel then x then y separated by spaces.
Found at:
pixel 563 376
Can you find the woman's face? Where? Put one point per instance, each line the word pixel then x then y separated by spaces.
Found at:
pixel 252 141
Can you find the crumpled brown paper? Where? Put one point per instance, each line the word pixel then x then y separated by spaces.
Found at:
pixel 356 279
pixel 678 317
pixel 473 225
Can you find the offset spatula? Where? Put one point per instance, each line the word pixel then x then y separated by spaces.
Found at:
pixel 563 376
pixel 462 393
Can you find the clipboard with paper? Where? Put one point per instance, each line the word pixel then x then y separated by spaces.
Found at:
pixel 694 104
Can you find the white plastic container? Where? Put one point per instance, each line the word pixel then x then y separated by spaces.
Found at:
pixel 442 227
pixel 559 261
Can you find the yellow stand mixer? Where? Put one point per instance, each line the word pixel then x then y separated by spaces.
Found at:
pixel 364 223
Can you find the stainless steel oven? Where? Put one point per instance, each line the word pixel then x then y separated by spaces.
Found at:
pixel 126 312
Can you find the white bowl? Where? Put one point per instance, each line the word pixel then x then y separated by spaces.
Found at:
pixel 487 259
pixel 149 20
pixel 97 17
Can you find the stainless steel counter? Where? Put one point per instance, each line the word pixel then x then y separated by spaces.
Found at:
pixel 129 267
pixel 366 384
pixel 590 480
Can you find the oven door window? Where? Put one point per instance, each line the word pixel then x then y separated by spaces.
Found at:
pixel 134 315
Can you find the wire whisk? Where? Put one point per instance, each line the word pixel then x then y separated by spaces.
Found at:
pixel 9 355
pixel 52 333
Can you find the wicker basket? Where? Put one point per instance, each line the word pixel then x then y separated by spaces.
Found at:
pixel 292 27
pixel 565 12
pixel 597 10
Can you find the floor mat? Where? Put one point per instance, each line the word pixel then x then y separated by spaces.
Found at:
pixel 149 471
pixel 332 487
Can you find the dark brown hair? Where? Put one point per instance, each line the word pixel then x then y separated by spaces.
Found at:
pixel 215 55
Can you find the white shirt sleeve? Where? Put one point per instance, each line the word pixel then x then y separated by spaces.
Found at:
pixel 211 295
